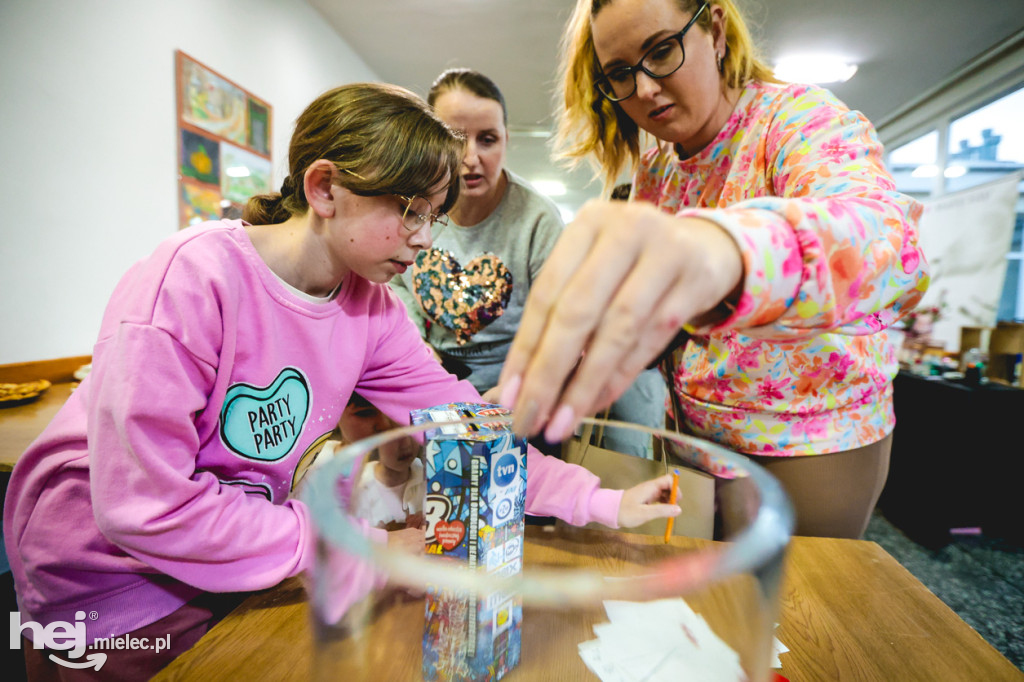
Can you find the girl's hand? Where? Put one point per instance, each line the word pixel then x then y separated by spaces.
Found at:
pixel 412 541
pixel 619 284
pixel 416 520
pixel 433 351
pixel 647 501
pixel 492 395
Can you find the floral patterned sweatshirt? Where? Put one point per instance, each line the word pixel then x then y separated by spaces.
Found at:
pixel 804 365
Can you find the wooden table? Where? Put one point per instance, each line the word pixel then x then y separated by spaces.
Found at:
pixel 849 611
pixel 20 425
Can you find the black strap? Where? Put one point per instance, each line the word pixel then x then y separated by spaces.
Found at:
pixel 679 341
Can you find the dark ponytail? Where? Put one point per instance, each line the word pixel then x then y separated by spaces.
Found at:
pixel 472 82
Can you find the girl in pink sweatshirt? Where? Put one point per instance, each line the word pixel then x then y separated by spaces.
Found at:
pixel 224 359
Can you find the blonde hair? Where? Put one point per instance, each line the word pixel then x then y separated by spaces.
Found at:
pixel 594 129
pixel 383 138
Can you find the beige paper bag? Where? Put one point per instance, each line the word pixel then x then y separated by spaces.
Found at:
pixel 617 470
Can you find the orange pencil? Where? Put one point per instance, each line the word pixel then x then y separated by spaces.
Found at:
pixel 672 500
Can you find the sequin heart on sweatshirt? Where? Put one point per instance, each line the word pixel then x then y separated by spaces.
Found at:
pixel 462 298
pixel 265 422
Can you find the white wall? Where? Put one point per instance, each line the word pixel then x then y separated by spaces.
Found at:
pixel 88 178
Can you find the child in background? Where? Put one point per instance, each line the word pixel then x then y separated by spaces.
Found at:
pixel 392 484
pixel 224 361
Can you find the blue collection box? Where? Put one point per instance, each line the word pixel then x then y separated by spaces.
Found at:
pixel 476 499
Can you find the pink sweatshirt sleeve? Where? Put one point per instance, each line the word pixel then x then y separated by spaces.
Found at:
pixel 548 479
pixel 347 580
pixel 148 498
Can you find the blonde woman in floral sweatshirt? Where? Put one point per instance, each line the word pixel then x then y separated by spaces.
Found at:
pixel 763 223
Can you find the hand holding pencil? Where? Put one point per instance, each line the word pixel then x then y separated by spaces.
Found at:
pixel 672 500
pixel 646 502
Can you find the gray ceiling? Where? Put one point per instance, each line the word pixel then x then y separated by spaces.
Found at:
pixel 903 47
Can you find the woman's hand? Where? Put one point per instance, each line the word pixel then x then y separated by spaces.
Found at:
pixel 619 284
pixel 647 501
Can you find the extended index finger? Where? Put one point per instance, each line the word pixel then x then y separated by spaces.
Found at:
pixel 564 260
pixel 572 315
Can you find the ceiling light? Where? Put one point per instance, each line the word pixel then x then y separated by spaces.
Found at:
pixel 237 172
pixel 814 69
pixel 552 188
pixel 925 170
pixel 955 171
pixel 529 131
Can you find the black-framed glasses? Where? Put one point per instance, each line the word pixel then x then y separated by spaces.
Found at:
pixel 418 211
pixel 662 60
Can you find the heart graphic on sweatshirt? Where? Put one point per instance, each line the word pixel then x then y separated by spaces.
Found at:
pixel 265 422
pixel 449 533
pixel 462 298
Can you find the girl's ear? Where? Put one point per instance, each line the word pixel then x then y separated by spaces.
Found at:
pixel 319 188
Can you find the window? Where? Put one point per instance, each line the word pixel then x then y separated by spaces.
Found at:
pixel 914 166
pixel 1011 303
pixel 984 144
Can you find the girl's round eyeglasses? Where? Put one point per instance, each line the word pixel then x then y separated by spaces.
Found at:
pixel 418 211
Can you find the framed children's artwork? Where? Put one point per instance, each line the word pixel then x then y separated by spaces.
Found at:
pixel 200 157
pixel 224 143
pixel 259 127
pixel 246 174
pixel 199 202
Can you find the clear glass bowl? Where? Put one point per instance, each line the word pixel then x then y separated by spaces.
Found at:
pixel 690 608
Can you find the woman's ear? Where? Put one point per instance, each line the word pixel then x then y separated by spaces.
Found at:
pixel 319 188
pixel 718 29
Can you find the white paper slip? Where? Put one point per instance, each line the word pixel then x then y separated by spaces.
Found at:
pixel 658 641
